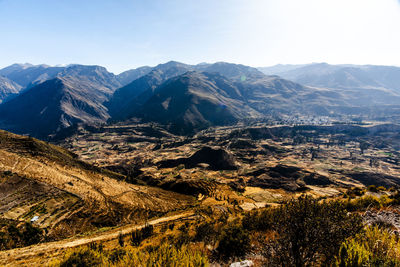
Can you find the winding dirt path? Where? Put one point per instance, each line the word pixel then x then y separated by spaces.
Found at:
pixel 21 256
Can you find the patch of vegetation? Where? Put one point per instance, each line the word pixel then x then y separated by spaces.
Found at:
pixel 369 202
pixel 164 255
pixel 234 242
pixel 137 236
pixel 40 208
pixel 354 192
pixel 376 189
pixel 13 236
pixel 374 247
pixel 307 232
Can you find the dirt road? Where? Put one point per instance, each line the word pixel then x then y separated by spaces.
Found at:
pixel 22 256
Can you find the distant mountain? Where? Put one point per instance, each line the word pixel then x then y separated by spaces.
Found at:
pixel 76 95
pixel 342 76
pixel 277 69
pixel 27 75
pixel 231 71
pixel 125 100
pixel 361 86
pixel 273 95
pixel 194 101
pixel 8 88
pixel 129 76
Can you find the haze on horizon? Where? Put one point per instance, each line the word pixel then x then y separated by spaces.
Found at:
pixel 124 34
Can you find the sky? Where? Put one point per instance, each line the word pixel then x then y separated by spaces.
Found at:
pixel 124 34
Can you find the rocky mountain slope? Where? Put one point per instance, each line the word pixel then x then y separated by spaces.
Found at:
pixel 194 101
pixel 76 95
pixel 8 88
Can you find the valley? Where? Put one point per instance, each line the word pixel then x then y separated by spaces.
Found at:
pixel 319 159
pixel 181 158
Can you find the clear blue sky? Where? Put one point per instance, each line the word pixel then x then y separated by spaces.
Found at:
pixel 122 34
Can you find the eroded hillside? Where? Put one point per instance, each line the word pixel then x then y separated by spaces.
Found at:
pixel 69 196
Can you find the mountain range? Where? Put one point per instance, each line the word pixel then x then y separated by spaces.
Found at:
pixel 339 76
pixel 41 100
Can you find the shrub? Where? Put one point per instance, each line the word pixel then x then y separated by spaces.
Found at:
pixel 116 255
pixel 381 188
pixel 372 188
pixel 374 247
pixel 310 232
pixel 82 257
pixel 234 242
pixel 363 203
pixel 137 236
pixel 355 192
pixel 205 232
pixel 261 220
pixel 25 235
pixel 31 235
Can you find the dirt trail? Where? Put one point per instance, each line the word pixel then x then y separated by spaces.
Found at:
pixel 21 256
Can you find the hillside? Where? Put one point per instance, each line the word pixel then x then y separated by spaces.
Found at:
pixel 68 195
